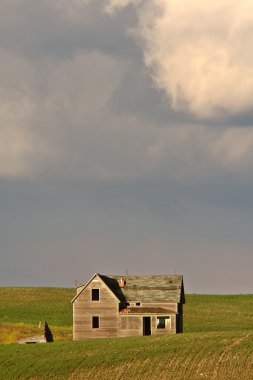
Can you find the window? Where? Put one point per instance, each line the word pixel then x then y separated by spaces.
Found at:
pixel 95 322
pixel 138 304
pixel 95 295
pixel 163 323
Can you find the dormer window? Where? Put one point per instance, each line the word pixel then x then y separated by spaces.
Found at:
pixel 95 294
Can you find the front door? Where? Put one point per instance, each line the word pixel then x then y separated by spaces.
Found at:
pixel 146 326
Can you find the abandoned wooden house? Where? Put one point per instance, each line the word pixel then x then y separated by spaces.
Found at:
pixel 120 306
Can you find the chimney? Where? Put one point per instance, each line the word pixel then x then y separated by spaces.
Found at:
pixel 122 283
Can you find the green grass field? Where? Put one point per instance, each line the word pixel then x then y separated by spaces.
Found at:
pixel 22 310
pixel 217 343
pixel 206 313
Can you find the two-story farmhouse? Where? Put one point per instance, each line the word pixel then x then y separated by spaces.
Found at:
pixel 119 306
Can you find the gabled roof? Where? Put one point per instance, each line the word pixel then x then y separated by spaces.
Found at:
pixel 161 288
pixel 81 288
pixel 155 289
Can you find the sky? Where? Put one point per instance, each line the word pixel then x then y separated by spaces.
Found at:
pixel 126 141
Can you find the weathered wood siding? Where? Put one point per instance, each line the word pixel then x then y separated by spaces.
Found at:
pixel 106 309
pixel 130 325
pixel 131 329
pixel 170 329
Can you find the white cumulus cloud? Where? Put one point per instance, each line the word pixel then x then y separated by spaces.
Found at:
pixel 199 53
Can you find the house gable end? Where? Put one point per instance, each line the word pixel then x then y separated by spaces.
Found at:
pixel 92 278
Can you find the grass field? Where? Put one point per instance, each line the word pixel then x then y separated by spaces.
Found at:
pixel 192 356
pixel 22 310
pixel 217 343
pixel 205 313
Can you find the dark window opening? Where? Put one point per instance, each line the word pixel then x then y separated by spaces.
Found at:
pixel 163 322
pixel 146 326
pixel 138 304
pixel 95 295
pixel 95 322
